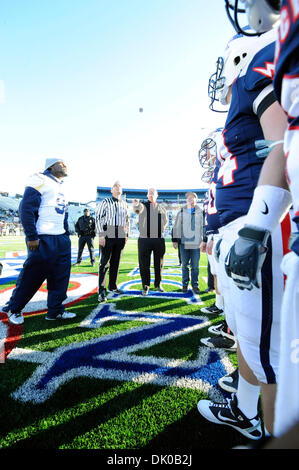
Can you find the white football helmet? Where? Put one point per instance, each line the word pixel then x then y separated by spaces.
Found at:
pixel 261 15
pixel 238 53
pixel 208 153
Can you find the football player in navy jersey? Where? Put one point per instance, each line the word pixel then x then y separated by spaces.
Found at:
pixel 207 159
pixel 272 193
pixel 254 115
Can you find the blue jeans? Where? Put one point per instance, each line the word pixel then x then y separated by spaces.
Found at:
pixel 193 256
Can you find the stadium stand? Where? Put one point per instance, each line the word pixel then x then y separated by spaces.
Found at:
pixel 9 215
pixel 172 198
pixel 168 196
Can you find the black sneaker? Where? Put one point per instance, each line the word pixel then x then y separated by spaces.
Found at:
pixel 229 414
pixel 220 342
pixel 159 288
pixel 221 329
pixel 102 296
pixel 185 289
pixel 230 382
pixel 117 291
pixel 196 290
pixel 212 310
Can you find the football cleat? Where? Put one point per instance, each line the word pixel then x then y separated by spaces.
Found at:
pixel 221 329
pixel 229 414
pixel 229 382
pixel 220 342
pixel 212 310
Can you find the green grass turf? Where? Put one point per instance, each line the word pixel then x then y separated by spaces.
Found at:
pixel 89 413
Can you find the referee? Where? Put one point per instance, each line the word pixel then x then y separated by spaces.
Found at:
pixel 112 227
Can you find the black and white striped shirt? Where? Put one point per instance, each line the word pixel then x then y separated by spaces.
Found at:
pixel 112 213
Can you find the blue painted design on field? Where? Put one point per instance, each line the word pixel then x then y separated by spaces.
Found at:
pixel 87 355
pixel 189 296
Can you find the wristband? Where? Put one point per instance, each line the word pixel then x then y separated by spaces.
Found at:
pixel 268 205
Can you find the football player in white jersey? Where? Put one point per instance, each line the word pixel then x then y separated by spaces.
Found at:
pixel 254 114
pixel 43 214
pixel 271 197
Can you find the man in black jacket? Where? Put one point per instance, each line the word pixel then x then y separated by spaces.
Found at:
pixel 152 223
pixel 85 228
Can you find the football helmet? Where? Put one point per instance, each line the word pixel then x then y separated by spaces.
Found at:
pixel 206 177
pixel 261 15
pixel 207 153
pixel 238 53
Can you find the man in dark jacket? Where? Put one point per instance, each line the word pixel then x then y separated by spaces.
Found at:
pixel 85 228
pixel 152 223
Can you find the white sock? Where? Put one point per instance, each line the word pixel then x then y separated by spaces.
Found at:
pixel 248 397
pixel 219 301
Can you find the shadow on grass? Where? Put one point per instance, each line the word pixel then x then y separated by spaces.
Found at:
pixel 193 432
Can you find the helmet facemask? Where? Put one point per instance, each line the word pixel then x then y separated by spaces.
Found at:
pixel 261 15
pixel 207 154
pixel 216 84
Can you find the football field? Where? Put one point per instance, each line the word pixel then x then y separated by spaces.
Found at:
pixel 122 375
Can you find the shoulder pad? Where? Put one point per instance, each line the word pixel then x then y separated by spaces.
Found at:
pixel 36 181
pixel 260 71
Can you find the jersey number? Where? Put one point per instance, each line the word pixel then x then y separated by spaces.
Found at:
pixel 226 171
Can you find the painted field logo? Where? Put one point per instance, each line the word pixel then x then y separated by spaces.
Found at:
pixel 81 287
pixel 116 357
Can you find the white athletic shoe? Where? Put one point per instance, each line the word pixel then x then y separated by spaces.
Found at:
pixel 15 318
pixel 62 316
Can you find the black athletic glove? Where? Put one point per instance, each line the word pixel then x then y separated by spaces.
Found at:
pixel 245 258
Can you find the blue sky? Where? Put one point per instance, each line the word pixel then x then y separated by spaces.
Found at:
pixel 74 74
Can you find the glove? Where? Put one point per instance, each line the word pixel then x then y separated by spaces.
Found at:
pixel 264 147
pixel 246 257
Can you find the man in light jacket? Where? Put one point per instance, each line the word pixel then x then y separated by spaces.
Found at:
pixel 187 236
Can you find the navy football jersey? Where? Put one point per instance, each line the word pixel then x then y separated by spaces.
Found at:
pixel 239 172
pixel 287 51
pixel 212 215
